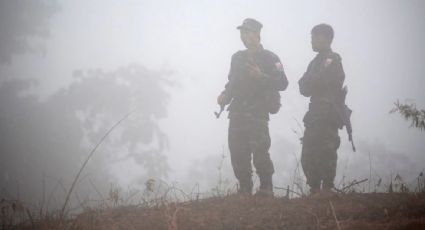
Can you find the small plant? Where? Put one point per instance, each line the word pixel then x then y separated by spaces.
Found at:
pixel 410 112
pixel 421 183
pixel 114 195
pixel 400 185
pixel 298 180
pixel 13 212
pixel 221 189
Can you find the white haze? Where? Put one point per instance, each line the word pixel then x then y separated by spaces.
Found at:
pixel 381 44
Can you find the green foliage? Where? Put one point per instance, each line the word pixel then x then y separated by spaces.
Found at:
pixel 410 112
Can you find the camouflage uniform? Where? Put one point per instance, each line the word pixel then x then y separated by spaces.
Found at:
pixel 249 115
pixel 322 82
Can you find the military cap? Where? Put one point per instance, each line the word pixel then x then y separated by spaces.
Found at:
pixel 250 24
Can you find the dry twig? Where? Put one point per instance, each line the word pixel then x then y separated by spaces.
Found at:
pixel 334 214
pixel 86 161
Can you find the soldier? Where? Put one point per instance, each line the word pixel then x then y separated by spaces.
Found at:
pixel 322 82
pixel 256 76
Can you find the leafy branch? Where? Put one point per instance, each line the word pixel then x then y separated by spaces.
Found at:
pixel 410 112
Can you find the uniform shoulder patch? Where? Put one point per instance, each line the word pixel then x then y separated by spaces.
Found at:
pixel 332 58
pixel 328 61
pixel 275 59
pixel 335 56
pixel 279 66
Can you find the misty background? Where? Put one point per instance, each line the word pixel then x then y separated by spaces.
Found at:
pixel 69 70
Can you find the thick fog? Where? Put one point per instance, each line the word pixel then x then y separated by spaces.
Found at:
pixel 69 70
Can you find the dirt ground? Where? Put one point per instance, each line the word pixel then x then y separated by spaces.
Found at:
pixel 349 211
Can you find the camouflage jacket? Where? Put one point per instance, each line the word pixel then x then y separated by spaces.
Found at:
pixel 248 94
pixel 323 82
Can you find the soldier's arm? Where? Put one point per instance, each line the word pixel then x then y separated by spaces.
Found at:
pixel 332 75
pixel 227 93
pixel 337 75
pixel 275 78
pixel 306 83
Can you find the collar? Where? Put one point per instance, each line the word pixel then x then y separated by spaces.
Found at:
pixel 258 50
pixel 325 52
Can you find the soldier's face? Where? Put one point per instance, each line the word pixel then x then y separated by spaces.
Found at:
pixel 319 42
pixel 249 38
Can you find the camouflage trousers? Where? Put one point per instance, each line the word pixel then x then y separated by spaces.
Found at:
pixel 249 139
pixel 319 154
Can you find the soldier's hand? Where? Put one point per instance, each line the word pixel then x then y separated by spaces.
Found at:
pixel 254 71
pixel 222 99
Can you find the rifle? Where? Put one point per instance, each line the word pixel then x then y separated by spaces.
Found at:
pixel 241 73
pixel 348 127
pixel 217 114
pixel 344 113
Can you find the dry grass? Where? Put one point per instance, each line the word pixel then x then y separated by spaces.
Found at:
pixel 324 211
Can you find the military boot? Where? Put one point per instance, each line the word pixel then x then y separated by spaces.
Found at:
pixel 245 187
pixel 314 191
pixel 266 186
pixel 327 185
pixel 314 188
pixel 328 188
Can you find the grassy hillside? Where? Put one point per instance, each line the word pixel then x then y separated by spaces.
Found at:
pixel 330 211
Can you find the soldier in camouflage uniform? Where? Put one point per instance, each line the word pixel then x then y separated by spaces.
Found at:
pixel 322 82
pixel 255 75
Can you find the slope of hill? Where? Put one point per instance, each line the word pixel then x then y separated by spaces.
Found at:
pixel 350 211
